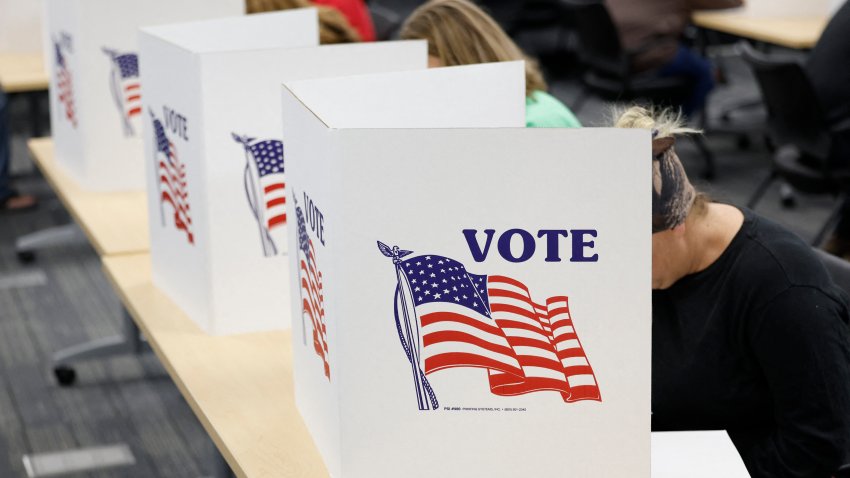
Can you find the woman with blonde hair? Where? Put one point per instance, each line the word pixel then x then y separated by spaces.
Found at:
pixel 333 27
pixel 460 33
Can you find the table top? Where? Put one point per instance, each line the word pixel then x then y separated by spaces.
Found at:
pixel 114 222
pixel 241 389
pixel 240 386
pixel 22 72
pixel 801 33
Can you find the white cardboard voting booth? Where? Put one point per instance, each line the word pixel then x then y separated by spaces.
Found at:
pixel 470 297
pixel 215 162
pixel 21 26
pixel 91 55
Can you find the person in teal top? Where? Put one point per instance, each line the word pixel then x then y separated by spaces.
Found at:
pixel 543 110
pixel 460 33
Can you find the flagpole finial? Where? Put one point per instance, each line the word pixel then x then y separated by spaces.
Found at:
pixel 243 139
pixel 394 252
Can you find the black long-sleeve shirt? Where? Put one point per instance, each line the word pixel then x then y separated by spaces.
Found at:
pixel 758 344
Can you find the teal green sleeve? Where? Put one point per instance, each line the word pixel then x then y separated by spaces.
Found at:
pixel 543 110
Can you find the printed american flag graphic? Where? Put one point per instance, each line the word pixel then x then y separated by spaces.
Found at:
pixel 312 293
pixel 265 187
pixel 172 181
pixel 492 322
pixel 126 89
pixel 65 85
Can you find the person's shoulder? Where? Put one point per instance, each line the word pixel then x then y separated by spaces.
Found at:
pixel 543 110
pixel 773 267
pixel 780 258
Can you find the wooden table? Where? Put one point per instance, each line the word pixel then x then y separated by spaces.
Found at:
pixel 20 73
pixel 114 223
pixel 240 387
pixel 801 33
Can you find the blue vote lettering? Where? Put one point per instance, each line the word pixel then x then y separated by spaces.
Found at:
pixel 315 218
pixel 519 245
pixel 176 123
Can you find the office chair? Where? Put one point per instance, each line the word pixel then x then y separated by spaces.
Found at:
pixel 797 125
pixel 609 71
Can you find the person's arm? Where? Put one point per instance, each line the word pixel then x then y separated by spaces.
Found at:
pixel 803 345
pixel 715 4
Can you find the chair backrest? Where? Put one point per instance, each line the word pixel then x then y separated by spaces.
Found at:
pixel 600 45
pixel 794 114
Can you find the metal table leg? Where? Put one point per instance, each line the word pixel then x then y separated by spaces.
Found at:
pixel 34 98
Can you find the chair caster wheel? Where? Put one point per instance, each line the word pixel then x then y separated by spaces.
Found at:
pixel 66 376
pixel 26 257
pixel 789 202
pixel 787 196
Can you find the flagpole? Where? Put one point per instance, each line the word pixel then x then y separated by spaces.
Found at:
pixel 156 172
pixel 408 329
pixel 305 248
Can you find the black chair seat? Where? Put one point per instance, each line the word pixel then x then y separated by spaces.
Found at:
pixel 805 175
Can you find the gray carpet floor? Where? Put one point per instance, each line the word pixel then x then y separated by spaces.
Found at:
pixel 64 299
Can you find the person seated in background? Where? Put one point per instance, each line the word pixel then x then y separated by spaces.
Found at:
pixel 357 14
pixel 10 200
pixel 749 333
pixel 828 68
pixel 460 33
pixel 333 27
pixel 655 29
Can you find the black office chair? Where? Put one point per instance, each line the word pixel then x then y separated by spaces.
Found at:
pixel 387 22
pixel 609 68
pixel 797 125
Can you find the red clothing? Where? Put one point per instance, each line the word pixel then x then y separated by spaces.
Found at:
pixel 356 13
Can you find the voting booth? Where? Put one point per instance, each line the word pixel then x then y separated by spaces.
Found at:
pixel 470 297
pixel 21 26
pixel 91 55
pixel 215 161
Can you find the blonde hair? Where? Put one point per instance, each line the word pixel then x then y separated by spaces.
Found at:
pixel 460 33
pixel 333 27
pixel 666 121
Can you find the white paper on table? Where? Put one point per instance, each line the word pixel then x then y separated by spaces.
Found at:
pixel 698 454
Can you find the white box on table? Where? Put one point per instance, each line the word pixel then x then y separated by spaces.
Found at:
pixel 218 234
pixel 504 223
pixel 91 56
